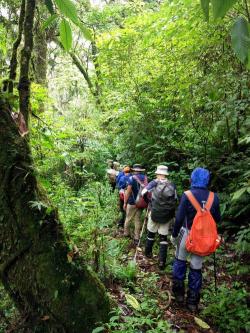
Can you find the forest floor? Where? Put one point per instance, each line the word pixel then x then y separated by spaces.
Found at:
pixel 180 319
pixel 143 285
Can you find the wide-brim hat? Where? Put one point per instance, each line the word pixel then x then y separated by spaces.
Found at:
pixel 162 170
pixel 138 167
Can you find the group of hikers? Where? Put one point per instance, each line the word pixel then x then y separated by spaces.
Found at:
pixel 194 231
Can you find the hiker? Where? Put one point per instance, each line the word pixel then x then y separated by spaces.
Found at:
pixel 121 173
pixel 162 211
pixel 122 185
pixel 112 173
pixel 132 201
pixel 183 223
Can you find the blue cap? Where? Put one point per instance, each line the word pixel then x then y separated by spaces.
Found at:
pixel 200 178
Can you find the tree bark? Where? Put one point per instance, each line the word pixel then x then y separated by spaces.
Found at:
pixel 13 61
pixel 56 292
pixel 24 82
pixel 40 57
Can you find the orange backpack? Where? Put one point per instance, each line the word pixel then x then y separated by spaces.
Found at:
pixel 203 238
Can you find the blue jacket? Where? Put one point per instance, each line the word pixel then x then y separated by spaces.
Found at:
pixel 135 187
pixel 186 212
pixel 118 177
pixel 123 182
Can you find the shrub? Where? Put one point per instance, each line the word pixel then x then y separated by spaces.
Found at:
pixel 228 309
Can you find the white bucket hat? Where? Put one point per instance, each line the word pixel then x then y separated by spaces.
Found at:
pixel 162 170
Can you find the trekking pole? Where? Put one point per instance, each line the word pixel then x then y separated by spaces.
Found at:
pixel 142 231
pixel 215 275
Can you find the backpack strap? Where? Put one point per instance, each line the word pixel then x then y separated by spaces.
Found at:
pixel 140 182
pixel 210 201
pixel 193 200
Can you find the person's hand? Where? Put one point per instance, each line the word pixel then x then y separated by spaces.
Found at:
pixel 125 207
pixel 173 240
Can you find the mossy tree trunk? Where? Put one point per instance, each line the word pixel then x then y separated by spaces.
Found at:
pixel 56 294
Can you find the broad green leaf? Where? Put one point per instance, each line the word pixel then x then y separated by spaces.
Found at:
pixel 241 39
pixel 50 6
pixel 98 329
pixel 201 323
pixel 68 9
pixel 205 8
pixel 49 21
pixel 85 31
pixel 221 7
pixel 239 193
pixel 56 294
pixel 132 301
pixel 65 34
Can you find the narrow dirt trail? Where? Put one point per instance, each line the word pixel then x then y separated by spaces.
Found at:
pixel 180 318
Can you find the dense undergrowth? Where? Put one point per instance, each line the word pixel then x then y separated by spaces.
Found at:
pixel 169 90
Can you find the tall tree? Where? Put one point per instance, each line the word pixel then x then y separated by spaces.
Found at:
pixel 54 290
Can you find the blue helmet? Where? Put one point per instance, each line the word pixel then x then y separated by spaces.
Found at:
pixel 200 177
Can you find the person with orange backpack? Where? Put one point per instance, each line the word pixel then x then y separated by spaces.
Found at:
pixel 194 233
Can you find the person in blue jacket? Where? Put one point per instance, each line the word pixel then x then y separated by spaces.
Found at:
pixel 183 222
pixel 132 212
pixel 122 184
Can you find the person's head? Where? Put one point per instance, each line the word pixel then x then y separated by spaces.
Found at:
pixel 110 163
pixel 137 168
pixel 161 171
pixel 200 178
pixel 126 170
pixel 116 165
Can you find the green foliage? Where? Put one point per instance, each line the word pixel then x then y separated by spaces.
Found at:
pixel 124 273
pixel 68 9
pixel 49 5
pixel 242 244
pixel 7 309
pixel 241 40
pixel 221 7
pixel 65 35
pixel 240 31
pixel 228 309
pixel 146 318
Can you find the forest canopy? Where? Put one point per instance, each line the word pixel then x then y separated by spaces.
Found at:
pixel 150 82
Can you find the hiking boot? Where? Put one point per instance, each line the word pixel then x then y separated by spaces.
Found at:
pixel 178 290
pixel 120 224
pixel 192 307
pixel 149 248
pixel 193 299
pixel 162 256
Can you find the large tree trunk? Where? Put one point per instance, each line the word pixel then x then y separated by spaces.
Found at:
pixel 56 293
pixel 34 253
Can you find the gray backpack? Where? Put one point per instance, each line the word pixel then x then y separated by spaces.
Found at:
pixel 163 202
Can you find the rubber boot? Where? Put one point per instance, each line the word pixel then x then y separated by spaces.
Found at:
pixel 149 248
pixel 149 244
pixel 163 252
pixel 121 222
pixel 193 299
pixel 178 290
pixel 179 275
pixel 194 286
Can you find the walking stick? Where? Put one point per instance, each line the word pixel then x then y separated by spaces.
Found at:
pixel 142 231
pixel 215 275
